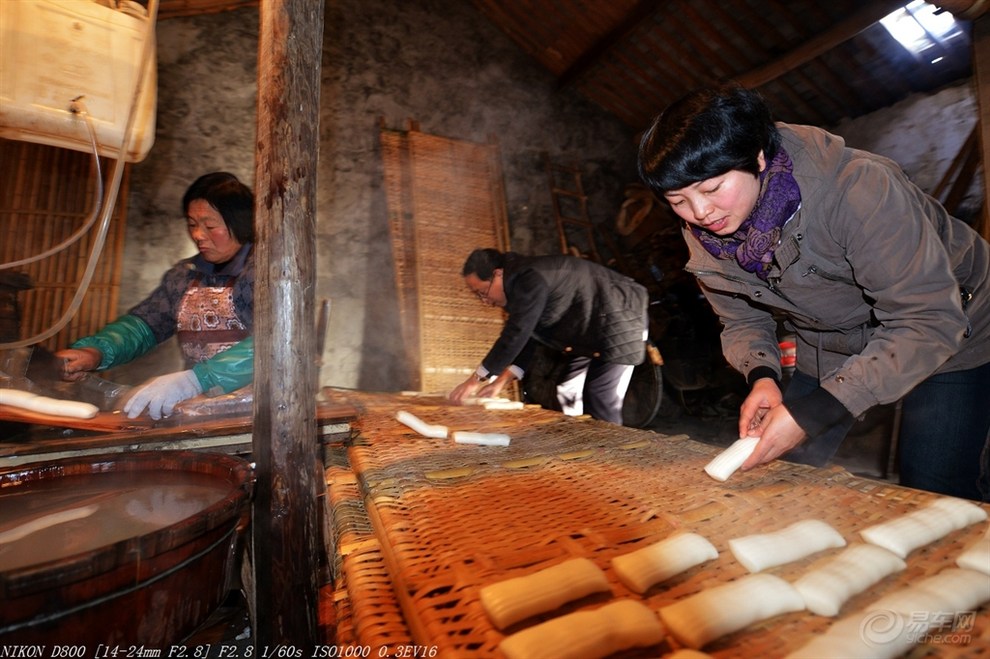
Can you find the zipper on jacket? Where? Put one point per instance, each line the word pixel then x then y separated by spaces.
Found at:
pixel 771 286
pixel 813 270
pixel 771 283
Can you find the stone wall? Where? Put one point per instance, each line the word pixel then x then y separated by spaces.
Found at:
pixel 436 62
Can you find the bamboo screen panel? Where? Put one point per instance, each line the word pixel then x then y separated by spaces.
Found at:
pixel 445 198
pixel 46 194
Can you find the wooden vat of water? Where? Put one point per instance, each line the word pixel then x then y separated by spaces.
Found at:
pixel 132 548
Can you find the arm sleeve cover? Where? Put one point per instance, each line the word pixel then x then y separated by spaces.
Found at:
pixel 229 370
pixel 121 341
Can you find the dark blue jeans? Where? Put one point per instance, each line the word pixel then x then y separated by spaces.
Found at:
pixel 945 432
pixel 944 441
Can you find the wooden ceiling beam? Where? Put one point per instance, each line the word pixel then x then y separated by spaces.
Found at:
pixel 822 43
pixel 590 58
pixel 819 76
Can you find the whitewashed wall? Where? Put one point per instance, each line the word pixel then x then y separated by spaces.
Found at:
pixel 923 133
pixel 440 63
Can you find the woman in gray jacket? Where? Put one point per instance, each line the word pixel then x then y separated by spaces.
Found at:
pixel 888 295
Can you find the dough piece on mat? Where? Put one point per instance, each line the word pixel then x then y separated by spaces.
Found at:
pixel 481 438
pixel 16 397
pixel 920 527
pixel 45 405
pixel 862 635
pixel 791 543
pixel 703 617
pixel 892 625
pixel 642 568
pixel 728 461
pixel 953 589
pixel 858 567
pixel 617 626
pixel 425 429
pixel 518 598
pixel 977 555
pixel 502 404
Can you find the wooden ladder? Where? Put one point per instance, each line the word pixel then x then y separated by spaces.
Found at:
pixel 570 210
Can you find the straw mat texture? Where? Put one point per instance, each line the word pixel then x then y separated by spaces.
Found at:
pixel 445 199
pixel 450 519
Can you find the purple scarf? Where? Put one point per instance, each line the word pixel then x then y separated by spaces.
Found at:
pixel 753 243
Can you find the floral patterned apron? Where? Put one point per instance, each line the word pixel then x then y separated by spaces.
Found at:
pixel 207 322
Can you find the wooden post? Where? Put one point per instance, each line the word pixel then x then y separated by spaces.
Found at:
pixel 286 529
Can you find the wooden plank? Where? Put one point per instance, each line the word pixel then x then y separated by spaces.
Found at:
pixel 290 483
pixel 959 176
pixel 104 421
pixel 233 432
pixel 590 58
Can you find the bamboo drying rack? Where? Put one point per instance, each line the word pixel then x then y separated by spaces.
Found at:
pixel 445 199
pixel 423 524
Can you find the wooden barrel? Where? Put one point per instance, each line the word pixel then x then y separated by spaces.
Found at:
pixel 97 584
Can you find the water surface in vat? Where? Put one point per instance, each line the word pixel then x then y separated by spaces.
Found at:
pixel 54 518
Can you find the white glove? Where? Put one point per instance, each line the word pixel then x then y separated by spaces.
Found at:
pixel 162 394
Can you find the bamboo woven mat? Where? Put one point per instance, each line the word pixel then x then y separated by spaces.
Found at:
pixel 445 199
pixel 365 608
pixel 448 519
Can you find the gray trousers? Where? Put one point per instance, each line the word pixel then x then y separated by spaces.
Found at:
pixel 594 387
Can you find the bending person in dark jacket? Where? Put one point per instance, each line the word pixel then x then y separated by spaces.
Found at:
pixel 593 315
pixel 207 300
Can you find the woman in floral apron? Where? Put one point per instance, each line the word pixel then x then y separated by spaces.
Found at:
pixel 205 300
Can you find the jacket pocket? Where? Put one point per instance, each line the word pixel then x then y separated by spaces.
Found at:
pixel 849 342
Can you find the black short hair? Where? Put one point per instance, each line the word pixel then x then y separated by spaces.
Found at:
pixel 482 263
pixel 232 199
pixel 707 133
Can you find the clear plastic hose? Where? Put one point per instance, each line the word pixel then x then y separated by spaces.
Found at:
pixel 77 108
pixel 110 197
